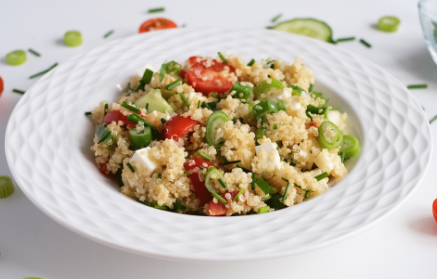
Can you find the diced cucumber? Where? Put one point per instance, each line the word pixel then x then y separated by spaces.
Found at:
pixel 309 27
pixel 155 101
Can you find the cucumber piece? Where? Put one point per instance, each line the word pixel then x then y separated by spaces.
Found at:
pixel 155 101
pixel 309 27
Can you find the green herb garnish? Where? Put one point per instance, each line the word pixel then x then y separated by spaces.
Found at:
pixel 203 155
pixel 18 91
pixel 417 86
pixel 34 52
pixel 156 10
pixel 43 72
pixel 365 43
pixel 130 167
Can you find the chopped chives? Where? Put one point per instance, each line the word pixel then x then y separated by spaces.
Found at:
pixel 345 39
pixel 321 176
pixel 232 162
pixel 219 198
pixel 243 168
pixel 286 180
pixel 179 206
pixel 276 18
pixel 173 85
pixel 264 209
pixel 187 173
pixel 198 104
pixel 147 107
pixel 159 175
pixel 342 156
pixel 202 167
pixel 222 57
pixel 214 95
pixel 18 91
pixel 309 115
pixel 269 27
pixel 203 155
pixel 239 194
pixel 307 194
pixel 275 126
pixel 253 181
pixel 163 120
pixel 297 186
pixel 365 43
pixel 43 72
pixel 417 86
pixel 106 109
pixel 222 182
pixel 184 99
pixel 130 167
pixel 234 120
pixel 88 113
pixel 251 62
pixel 311 88
pixel 284 197
pixel 433 119
pixel 129 107
pixel 108 34
pixel 162 207
pixel 156 10
pixel 34 52
pixel 264 186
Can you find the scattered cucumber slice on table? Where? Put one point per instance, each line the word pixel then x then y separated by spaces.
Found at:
pixel 155 101
pixel 309 27
pixel 350 146
pixel 73 38
pixel 388 23
pixel 16 57
pixel 6 186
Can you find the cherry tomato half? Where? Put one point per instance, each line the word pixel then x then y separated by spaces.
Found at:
pixel 178 126
pixel 217 208
pixel 209 78
pixel 203 194
pixel 116 116
pixel 155 24
pixel 1 86
pixel 434 209
pixel 104 168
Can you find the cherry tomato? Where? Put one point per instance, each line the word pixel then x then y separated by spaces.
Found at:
pixel 217 208
pixel 313 124
pixel 104 168
pixel 207 78
pixel 434 209
pixel 178 126
pixel 182 74
pixel 116 116
pixel 203 194
pixel 1 86
pixel 155 24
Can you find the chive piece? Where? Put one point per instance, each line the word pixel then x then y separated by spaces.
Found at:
pixel 179 206
pixel 275 126
pixel 269 27
pixel 243 168
pixel 184 99
pixel 34 52
pixel 147 107
pixel 163 120
pixel 433 119
pixel 253 182
pixel 203 155
pixel 219 198
pixel 307 194
pixel 271 64
pixel 6 186
pixel 342 156
pixel 417 86
pixel 103 134
pixel 284 197
pixel 222 182
pixel 310 89
pixel 130 167
pixel 286 180
pixel 276 18
pixel 43 72
pixel 345 39
pixel 108 34
pixel 202 167
pixel 232 162
pixel 309 115
pixel 297 186
pixel 147 77
pixel 222 57
pixel 162 207
pixel 173 85
pixel 159 176
pixel 365 43
pixel 187 173
pixel 239 194
pixel 251 62
pixel 129 107
pixel 18 91
pixel 106 109
pixel 198 104
pixel 321 176
pixel 264 209
pixel 156 10
pixel 214 95
pixel 88 113
pixel 262 184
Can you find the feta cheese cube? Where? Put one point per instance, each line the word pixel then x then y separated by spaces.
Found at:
pixel 273 158
pixel 141 157
pixel 324 161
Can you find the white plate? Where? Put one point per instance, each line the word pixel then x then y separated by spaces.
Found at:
pixel 48 139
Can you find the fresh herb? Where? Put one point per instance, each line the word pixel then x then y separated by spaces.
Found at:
pixel 184 99
pixel 365 43
pixel 43 72
pixel 170 68
pixel 179 206
pixel 147 77
pixel 202 167
pixel 341 154
pixel 222 182
pixel 321 176
pixel 34 52
pixel 231 162
pixel 173 85
pixel 417 86
pixel 198 104
pixel 348 39
pixel 129 107
pixel 203 155
pixel 276 18
pixel 187 173
pixel 286 180
pixel 271 64
pixel 147 107
pixel 253 181
pixel 239 194
pixel 219 198
pixel 243 168
pixel 307 194
pixel 264 209
pixel 159 176
pixel 222 57
pixel 297 186
pixel 309 115
pixel 156 10
pixel 310 89
pixel 130 167
pixel 251 62
pixel 214 95
pixel 6 186
pixel 275 126
pixel 105 111
pixel 108 34
pixel 275 202
pixel 286 192
pixel 262 184
pixel 18 91
pixel 103 134
pixel 163 120
pixel 88 113
pixel 162 207
pixel 433 119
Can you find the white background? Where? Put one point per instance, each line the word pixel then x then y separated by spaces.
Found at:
pixel 403 245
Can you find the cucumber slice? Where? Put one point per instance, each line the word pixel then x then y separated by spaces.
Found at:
pixel 155 101
pixel 309 27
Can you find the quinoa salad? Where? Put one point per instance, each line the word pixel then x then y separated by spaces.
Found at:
pixel 222 136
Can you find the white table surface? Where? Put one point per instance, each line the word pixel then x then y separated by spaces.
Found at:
pixel 403 245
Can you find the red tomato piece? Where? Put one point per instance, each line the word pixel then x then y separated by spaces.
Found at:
pixel 156 24
pixel 207 78
pixel 314 124
pixel 178 126
pixel 104 168
pixel 203 194
pixel 182 74
pixel 116 116
pixel 217 208
pixel 434 209
pixel 1 86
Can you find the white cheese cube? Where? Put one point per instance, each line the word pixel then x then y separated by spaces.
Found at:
pixel 272 153
pixel 147 66
pixel 324 161
pixel 191 96
pixel 141 157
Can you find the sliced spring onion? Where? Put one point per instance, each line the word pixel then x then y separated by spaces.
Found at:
pixel 417 86
pixel 179 206
pixel 297 186
pixel 219 198
pixel 259 134
pixel 321 176
pixel 184 99
pixel 348 39
pixel 330 136
pixel 108 34
pixel 275 126
pixel 222 57
pixel 202 167
pixel 309 115
pixel 310 89
pixel 203 155
pixel 16 57
pixel 276 18
pixel 43 72
pixel 34 52
pixel 143 139
pixel 284 197
pixel 266 198
pixel 262 184
pixel 162 207
pixel 156 10
pixel 130 167
pixel 281 105
pixel 241 91
pixel 88 113
pixel 276 202
pixel 215 119
pixel 215 95
pixel 350 146
pixel 251 62
pixel 171 68
pixel 286 180
pixel 163 120
pixel 365 43
pixel 129 107
pixel 173 85
pixel 6 186
pixel 297 90
pixel 135 118
pixel 265 107
pixel 105 111
pixel 147 77
pixel 103 134
pixel 241 192
pixel 307 194
pixel 198 104
pixel 209 173
pixel 341 154
pixel 73 38
pixel 159 175
pixel 318 110
pixel 18 91
pixel 222 182
pixel 264 86
pixel 243 168
pixel 433 119
pixel 388 23
pixel 264 209
pixel 232 162
pixel 252 184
